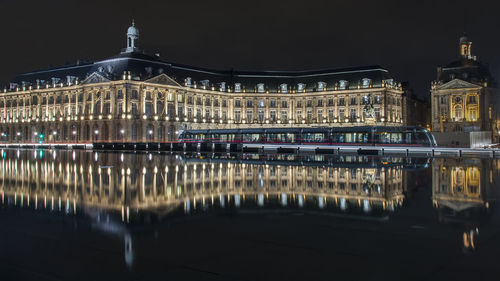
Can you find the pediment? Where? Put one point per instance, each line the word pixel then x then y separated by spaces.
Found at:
pixel 95 78
pixel 162 79
pixel 457 84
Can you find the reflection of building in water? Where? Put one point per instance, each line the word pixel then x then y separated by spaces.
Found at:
pixel 462 192
pixel 128 183
pixel 462 184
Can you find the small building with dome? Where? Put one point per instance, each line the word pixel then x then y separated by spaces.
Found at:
pixel 465 101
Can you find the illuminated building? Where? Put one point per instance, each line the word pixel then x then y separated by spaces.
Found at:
pixel 464 100
pixel 134 97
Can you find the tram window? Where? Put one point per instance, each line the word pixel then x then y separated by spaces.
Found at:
pixel 314 137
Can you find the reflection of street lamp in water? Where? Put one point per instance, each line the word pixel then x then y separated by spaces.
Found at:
pixel 469 240
pixel 129 251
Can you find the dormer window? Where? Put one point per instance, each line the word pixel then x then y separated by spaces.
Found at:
pixel 389 81
pixel 284 88
pixel 70 80
pixel 205 84
pixel 222 86
pixel 343 84
pixel 260 88
pixel 365 83
pixel 321 86
pixel 188 82
pixel 55 80
pixel 301 87
pixel 237 87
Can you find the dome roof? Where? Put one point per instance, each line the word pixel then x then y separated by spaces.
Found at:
pixel 132 30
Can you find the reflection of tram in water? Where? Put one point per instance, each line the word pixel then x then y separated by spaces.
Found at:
pixel 319 160
pixel 363 136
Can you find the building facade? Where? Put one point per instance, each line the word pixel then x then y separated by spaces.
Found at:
pixel 464 96
pixel 134 97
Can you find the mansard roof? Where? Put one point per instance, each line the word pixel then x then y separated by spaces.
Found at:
pixel 143 67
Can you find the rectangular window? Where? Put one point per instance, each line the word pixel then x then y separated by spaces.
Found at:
pixel 353 101
pixel 320 102
pixel 377 113
pixel 261 115
pixel 273 104
pixel 249 103
pixel 237 103
pixel 341 102
pixel 237 116
pixel 250 115
pixel 273 115
pixel 341 114
pixel 284 104
pixel 366 100
pixel 134 109
pixel 309 103
pixel 330 114
pixel 299 103
pixel 283 115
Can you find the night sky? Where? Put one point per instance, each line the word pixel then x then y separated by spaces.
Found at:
pixel 409 38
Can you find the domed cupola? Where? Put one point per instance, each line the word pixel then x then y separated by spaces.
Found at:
pixel 465 46
pixel 132 38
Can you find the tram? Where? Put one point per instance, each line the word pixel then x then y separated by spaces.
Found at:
pixel 360 136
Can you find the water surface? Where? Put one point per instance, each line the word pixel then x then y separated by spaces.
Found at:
pixel 81 215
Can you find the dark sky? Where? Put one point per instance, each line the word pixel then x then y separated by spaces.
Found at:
pixel 409 38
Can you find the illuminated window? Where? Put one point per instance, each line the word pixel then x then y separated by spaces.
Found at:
pixel 343 84
pixel 472 115
pixel 222 86
pixel 260 88
pixel 284 88
pixel 365 82
pixel 237 87
pixel 458 112
pixel 301 87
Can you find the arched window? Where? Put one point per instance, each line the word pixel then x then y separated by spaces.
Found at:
pixel 458 112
